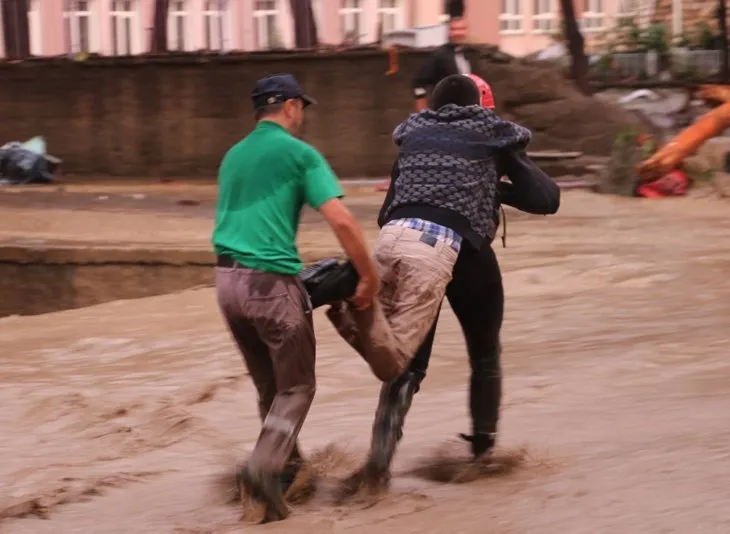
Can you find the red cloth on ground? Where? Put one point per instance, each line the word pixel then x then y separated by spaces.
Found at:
pixel 672 184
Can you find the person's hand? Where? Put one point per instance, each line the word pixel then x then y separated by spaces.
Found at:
pixel 366 292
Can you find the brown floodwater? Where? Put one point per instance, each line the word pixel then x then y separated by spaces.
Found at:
pixel 122 417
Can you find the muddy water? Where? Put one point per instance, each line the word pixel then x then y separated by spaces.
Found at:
pixel 119 418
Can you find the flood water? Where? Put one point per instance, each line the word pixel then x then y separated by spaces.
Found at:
pixel 121 417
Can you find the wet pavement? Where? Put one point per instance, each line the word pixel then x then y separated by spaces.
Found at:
pixel 121 417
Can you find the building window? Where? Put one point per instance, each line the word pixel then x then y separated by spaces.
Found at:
pixel 178 37
pixel 510 18
pixel 214 12
pixel 123 18
pixel 390 15
pixel 593 15
pixel 265 16
pixel 35 27
pixel 629 12
pixel 351 20
pixel 544 16
pixel 78 26
pixel 627 8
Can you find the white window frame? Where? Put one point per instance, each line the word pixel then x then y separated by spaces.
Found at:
pixel 261 17
pixel 395 13
pixel 71 23
pixel 594 16
pixel 348 14
pixel 35 27
pixel 544 16
pixel 216 18
pixel 639 11
pixel 174 17
pixel 123 20
pixel 627 8
pixel 511 17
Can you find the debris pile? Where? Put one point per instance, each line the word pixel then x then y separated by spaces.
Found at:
pixel 27 163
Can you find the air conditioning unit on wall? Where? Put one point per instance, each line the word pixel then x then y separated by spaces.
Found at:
pixel 418 37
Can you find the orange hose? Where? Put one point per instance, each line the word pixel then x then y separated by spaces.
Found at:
pixel 393 66
pixel 685 143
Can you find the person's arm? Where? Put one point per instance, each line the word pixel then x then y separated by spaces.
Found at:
pixel 350 235
pixel 530 190
pixel 389 195
pixel 427 76
pixel 322 192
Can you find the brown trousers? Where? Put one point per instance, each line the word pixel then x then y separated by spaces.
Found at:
pixel 414 273
pixel 270 318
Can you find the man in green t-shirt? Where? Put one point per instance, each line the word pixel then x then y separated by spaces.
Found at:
pixel 264 181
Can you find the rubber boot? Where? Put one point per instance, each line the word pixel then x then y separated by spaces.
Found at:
pixel 395 401
pixel 329 281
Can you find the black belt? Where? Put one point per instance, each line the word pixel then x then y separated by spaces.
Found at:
pixel 226 262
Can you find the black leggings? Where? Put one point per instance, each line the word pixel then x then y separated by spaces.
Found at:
pixel 477 297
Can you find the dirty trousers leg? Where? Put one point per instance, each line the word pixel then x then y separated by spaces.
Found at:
pixel 414 273
pixel 271 320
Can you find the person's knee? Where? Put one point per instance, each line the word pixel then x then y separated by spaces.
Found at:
pixel 485 358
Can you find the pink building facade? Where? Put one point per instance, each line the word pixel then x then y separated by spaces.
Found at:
pixel 122 27
pixel 527 26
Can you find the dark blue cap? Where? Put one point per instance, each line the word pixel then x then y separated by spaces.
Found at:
pixel 277 88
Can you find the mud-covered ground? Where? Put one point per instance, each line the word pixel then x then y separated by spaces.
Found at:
pixel 121 418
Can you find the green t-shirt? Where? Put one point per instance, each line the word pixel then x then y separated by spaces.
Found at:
pixel 263 183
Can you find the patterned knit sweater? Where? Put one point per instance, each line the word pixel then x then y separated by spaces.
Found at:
pixel 447 165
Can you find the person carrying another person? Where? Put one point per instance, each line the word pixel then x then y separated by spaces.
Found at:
pixel 444 195
pixel 477 299
pixel 263 183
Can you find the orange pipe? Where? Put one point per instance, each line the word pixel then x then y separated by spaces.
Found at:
pixel 393 66
pixel 685 143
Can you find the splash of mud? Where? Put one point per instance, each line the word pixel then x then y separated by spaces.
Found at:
pixel 327 464
pixel 449 465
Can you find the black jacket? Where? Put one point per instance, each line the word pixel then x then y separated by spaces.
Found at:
pixel 440 64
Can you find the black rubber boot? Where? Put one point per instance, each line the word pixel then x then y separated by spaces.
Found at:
pixel 395 401
pixel 329 281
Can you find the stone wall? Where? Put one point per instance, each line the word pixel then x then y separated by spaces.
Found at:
pixel 145 117
pixel 155 117
pixel 44 280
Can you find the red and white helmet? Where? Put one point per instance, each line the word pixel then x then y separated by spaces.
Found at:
pixel 485 91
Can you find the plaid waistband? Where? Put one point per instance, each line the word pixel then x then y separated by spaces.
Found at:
pixel 442 233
